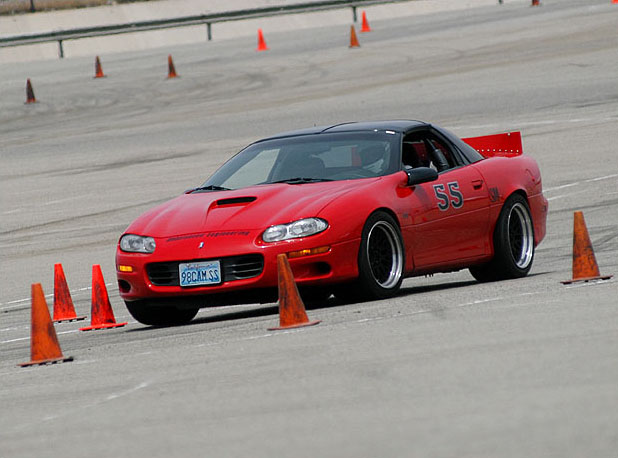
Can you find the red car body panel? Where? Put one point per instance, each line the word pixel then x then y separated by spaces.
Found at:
pixel 445 224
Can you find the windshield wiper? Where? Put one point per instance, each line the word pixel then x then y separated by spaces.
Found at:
pixel 210 187
pixel 300 180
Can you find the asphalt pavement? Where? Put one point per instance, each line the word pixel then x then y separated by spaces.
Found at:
pixel 448 368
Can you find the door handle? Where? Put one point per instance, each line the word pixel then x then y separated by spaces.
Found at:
pixel 477 184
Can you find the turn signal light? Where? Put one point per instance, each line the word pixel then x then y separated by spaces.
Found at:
pixel 308 252
pixel 125 268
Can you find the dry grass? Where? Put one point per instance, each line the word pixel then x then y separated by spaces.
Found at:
pixel 24 6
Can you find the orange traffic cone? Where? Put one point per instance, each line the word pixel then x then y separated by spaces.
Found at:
pixel 63 303
pixel 365 27
pixel 98 70
pixel 102 315
pixel 261 43
pixel 353 39
pixel 291 308
pixel 171 73
pixel 585 266
pixel 44 346
pixel 29 92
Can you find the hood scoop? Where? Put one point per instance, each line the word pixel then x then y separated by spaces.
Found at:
pixel 234 201
pixel 225 213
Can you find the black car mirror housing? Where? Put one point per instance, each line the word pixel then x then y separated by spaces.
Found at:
pixel 420 175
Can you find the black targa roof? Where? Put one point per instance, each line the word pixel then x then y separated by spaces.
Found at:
pixel 395 126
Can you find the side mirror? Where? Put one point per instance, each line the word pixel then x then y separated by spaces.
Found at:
pixel 420 175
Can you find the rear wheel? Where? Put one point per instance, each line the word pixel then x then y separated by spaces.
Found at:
pixel 380 261
pixel 513 243
pixel 159 315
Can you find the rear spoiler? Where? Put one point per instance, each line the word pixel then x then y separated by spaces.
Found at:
pixel 507 144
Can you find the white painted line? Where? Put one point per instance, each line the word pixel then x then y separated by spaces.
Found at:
pixel 16 301
pixel 127 392
pixel 554 188
pixel 589 180
pixel 14 328
pixel 15 340
pixel 90 405
pixel 28 337
pixel 47 296
pixel 562 196
pixel 20 302
pixel 57 201
pixel 606 177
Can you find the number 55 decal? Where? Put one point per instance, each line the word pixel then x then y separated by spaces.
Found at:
pixel 454 197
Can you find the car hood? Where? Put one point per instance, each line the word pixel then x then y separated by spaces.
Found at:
pixel 253 208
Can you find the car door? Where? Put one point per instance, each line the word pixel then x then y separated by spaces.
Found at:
pixel 449 216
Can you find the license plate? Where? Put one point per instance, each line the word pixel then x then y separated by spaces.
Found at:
pixel 200 273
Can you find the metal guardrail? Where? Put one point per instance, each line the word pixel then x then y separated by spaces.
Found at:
pixel 202 19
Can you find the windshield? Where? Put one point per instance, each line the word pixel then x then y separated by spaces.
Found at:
pixel 310 158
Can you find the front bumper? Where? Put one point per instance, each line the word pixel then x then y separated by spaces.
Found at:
pixel 337 265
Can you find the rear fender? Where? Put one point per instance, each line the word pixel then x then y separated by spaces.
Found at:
pixel 506 176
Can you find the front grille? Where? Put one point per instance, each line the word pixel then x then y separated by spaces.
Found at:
pixel 233 268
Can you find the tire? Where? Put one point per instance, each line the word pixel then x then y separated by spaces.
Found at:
pixel 159 315
pixel 381 261
pixel 513 243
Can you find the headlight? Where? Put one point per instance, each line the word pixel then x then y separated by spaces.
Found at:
pixel 300 228
pixel 137 244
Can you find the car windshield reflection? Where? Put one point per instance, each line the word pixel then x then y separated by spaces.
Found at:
pixel 310 159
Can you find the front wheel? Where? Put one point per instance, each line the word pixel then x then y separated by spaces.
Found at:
pixel 381 260
pixel 159 315
pixel 513 243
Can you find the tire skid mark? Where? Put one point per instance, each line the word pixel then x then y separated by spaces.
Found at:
pixel 74 218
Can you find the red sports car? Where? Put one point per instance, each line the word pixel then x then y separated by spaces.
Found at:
pixel 356 207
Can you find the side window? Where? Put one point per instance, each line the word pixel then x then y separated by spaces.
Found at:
pixel 413 153
pixel 441 156
pixel 423 149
